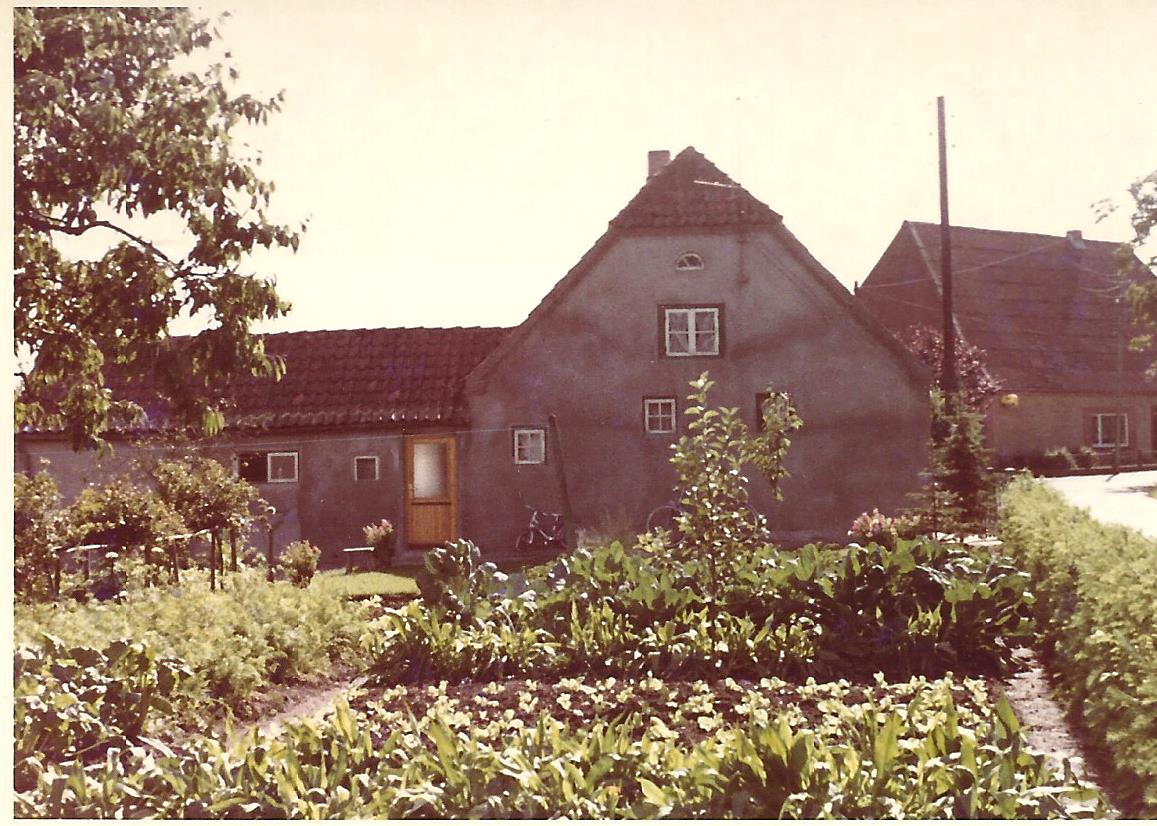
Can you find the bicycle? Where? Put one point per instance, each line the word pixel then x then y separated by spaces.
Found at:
pixel 545 530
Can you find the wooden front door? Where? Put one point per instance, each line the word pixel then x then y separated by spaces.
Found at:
pixel 431 485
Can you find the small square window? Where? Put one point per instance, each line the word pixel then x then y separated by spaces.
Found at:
pixel 691 331
pixel 283 467
pixel 659 415
pixel 529 446
pixel 365 468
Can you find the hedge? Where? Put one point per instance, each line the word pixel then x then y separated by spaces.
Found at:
pixel 1096 588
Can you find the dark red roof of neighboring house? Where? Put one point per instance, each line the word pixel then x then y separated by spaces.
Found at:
pixel 690 191
pixel 347 378
pixel 1041 306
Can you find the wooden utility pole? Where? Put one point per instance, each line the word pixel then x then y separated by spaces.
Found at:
pixel 948 363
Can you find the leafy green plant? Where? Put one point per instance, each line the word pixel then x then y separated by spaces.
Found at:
pixel 457 581
pixel 74 704
pixel 236 642
pixel 709 461
pixel 910 751
pixel 123 513
pixel 959 497
pixel 299 559
pixel 1097 596
pixel 39 531
pixel 207 497
pixel 824 612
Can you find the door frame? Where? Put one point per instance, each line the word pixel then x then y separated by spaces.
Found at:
pixel 449 502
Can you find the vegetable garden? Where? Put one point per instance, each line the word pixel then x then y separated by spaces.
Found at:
pixel 702 672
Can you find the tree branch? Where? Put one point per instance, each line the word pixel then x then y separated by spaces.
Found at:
pixel 47 223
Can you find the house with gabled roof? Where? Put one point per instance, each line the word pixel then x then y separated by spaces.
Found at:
pixel 1045 310
pixel 456 433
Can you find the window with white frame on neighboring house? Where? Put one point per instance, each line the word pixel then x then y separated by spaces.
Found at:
pixel 529 445
pixel 365 468
pixel 691 331
pixel 267 466
pixel 659 415
pixel 1107 426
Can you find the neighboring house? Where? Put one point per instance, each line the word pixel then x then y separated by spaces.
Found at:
pixel 451 432
pixel 1044 309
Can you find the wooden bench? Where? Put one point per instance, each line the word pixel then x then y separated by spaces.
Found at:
pixel 351 555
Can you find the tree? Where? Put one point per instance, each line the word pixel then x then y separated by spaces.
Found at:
pixel 976 386
pixel 207 497
pixel 1143 295
pixel 108 132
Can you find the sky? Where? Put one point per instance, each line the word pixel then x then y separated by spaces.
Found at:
pixel 454 158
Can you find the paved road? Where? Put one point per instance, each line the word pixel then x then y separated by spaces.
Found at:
pixel 1122 499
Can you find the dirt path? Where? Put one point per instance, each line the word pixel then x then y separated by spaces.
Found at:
pixel 1045 727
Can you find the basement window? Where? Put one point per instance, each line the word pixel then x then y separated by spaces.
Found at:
pixel 1107 426
pixel 272 466
pixel 529 446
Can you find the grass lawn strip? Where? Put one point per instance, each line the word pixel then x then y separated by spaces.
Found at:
pixel 365 583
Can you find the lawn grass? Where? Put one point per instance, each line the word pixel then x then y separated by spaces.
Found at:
pixel 364 583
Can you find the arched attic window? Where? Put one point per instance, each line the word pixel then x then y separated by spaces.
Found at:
pixel 689 261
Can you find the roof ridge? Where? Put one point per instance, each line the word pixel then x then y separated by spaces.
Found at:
pixel 1010 232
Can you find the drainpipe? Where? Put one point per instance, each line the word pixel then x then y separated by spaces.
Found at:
pixel 1120 386
pixel 560 466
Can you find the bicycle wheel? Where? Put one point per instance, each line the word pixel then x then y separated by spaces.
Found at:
pixel 525 541
pixel 663 517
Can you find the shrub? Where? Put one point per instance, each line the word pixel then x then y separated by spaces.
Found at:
pixel 1057 460
pixel 39 531
pixel 1086 457
pixel 875 527
pixel 923 607
pixel 382 537
pixel 1097 596
pixel 299 560
pixel 123 513
pixel 961 494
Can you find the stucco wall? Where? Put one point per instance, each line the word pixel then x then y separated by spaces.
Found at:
pixel 597 354
pixel 326 505
pixel 1041 421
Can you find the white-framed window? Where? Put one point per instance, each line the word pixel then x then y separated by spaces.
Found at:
pixel 689 261
pixel 691 331
pixel 267 466
pixel 365 468
pixel 529 446
pixel 659 415
pixel 1105 429
pixel 283 466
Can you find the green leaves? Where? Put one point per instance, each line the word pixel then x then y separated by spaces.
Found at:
pixel 1096 596
pixel 107 130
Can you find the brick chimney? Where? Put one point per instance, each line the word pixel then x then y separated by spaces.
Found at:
pixel 656 160
pixel 1075 239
